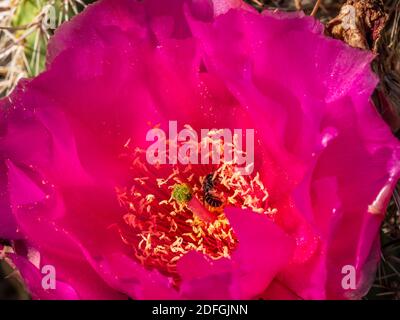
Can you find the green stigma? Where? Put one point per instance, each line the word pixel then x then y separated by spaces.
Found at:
pixel 182 193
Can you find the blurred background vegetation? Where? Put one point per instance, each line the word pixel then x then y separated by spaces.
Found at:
pixel 26 25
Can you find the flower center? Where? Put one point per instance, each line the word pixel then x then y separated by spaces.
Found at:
pixel 174 209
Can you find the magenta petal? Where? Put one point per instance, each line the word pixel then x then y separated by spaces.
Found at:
pixel 38 219
pixel 264 250
pixel 8 225
pixel 33 279
pixel 277 291
pixel 223 6
pixel 199 275
pixel 123 274
pixel 67 251
pixel 19 181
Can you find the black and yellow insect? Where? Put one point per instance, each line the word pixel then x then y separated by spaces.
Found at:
pixel 210 197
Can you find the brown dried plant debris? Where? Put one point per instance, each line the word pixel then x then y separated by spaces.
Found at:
pixel 359 23
pixel 387 66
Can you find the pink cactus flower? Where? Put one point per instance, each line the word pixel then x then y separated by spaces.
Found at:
pixel 77 194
